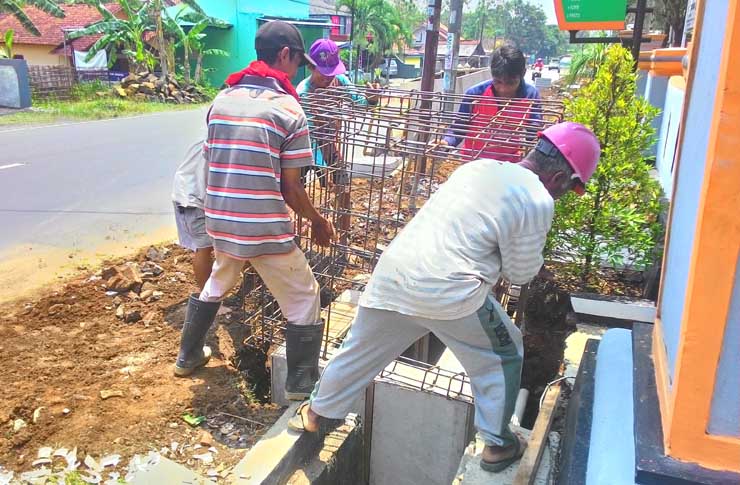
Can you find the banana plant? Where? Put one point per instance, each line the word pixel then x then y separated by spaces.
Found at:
pixel 15 8
pixel 6 50
pixel 158 14
pixel 191 41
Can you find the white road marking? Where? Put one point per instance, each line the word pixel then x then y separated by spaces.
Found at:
pixel 3 167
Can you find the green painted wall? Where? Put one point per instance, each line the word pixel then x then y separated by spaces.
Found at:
pixel 243 15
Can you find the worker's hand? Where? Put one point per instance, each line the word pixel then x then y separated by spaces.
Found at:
pixel 322 231
pixel 440 145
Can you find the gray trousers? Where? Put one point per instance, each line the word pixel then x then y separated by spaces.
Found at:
pixel 487 344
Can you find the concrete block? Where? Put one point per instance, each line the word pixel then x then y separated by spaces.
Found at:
pixel 612 311
pixel 470 472
pixel 368 166
pixel 15 87
pixel 167 471
pixel 418 436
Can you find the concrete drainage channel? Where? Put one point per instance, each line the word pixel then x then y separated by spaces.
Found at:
pixel 412 425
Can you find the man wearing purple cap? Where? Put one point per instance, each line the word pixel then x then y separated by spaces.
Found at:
pixel 328 72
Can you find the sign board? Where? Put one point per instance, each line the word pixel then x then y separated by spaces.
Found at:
pixel 688 27
pixel 591 14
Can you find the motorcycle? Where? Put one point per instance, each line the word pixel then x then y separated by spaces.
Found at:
pixel 536 72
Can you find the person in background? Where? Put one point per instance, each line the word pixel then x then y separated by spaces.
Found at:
pixel 188 197
pixel 477 117
pixel 328 72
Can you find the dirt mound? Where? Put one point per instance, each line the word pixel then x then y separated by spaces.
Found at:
pixel 64 352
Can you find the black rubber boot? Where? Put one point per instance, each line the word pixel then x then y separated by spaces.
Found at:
pixel 302 346
pixel 198 319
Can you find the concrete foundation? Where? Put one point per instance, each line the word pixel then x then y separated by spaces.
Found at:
pixel 283 456
pixel 417 437
pixel 612 311
pixel 340 460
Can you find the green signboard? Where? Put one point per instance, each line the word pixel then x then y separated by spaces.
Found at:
pixel 571 12
pixel 594 10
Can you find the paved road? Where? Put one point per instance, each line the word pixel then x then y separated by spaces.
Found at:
pixel 79 186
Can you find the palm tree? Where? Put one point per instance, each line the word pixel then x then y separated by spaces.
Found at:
pixel 586 63
pixel 127 33
pixel 15 8
pixel 380 19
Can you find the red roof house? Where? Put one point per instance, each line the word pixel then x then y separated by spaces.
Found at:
pixel 48 48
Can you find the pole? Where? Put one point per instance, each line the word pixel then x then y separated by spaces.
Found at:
pixel 434 9
pixel 352 41
pixel 637 34
pixel 453 46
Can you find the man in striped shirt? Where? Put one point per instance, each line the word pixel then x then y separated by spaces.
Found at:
pixel 490 219
pixel 257 144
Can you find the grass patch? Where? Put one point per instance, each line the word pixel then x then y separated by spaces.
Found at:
pixel 87 105
pixel 91 109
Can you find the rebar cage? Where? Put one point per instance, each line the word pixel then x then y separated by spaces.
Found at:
pixel 383 157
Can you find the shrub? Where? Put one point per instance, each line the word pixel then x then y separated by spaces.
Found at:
pixel 616 221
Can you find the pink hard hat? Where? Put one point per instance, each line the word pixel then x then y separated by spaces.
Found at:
pixel 578 145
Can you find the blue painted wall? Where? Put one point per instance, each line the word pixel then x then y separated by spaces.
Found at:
pixel 690 177
pixel 726 399
pixel 641 83
pixel 655 94
pixel 668 136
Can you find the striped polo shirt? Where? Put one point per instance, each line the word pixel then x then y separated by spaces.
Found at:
pixel 255 130
pixel 489 219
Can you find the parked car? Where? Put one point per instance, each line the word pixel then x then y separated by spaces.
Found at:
pixel 393 68
pixel 554 65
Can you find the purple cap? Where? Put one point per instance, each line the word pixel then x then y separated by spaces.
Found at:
pixel 325 53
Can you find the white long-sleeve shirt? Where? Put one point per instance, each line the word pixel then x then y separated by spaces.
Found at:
pixel 490 218
pixel 189 185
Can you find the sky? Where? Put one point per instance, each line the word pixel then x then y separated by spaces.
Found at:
pixel 547 5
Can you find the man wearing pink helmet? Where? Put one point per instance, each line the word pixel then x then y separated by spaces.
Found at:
pixel 490 219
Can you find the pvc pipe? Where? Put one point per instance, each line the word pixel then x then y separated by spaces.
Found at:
pixel 521 404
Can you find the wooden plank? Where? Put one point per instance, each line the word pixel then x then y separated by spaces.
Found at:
pixel 526 472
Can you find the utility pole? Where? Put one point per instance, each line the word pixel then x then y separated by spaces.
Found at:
pixel 434 9
pixel 637 33
pixel 352 41
pixel 483 7
pixel 453 46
